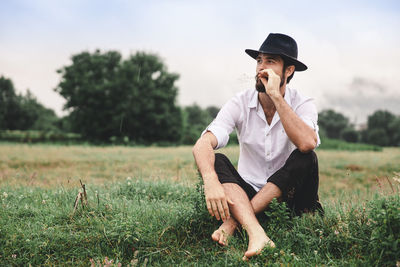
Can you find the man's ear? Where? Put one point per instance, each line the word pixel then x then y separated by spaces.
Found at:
pixel 289 70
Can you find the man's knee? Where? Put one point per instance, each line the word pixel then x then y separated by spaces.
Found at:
pixel 220 158
pixel 304 158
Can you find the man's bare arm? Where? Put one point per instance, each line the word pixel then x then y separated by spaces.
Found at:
pixel 203 152
pixel 302 135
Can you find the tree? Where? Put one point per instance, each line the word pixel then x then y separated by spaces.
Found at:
pixel 34 116
pixel 212 111
pixel 9 106
pixel 382 128
pixel 195 121
pixel 378 137
pixel 349 134
pixel 23 112
pixel 394 128
pixel 332 123
pixel 110 97
pixel 37 117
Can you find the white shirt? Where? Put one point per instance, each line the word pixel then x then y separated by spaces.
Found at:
pixel 264 148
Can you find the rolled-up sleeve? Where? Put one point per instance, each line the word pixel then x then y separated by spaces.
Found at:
pixel 225 122
pixel 308 113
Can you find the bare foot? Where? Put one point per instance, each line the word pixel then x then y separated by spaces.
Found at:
pixel 226 230
pixel 257 244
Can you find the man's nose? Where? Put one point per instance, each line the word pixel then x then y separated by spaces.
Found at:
pixel 263 65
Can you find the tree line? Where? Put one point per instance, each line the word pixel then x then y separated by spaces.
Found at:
pixel 382 128
pixel 114 100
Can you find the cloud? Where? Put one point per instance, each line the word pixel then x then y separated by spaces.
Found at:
pixel 362 97
pixel 349 48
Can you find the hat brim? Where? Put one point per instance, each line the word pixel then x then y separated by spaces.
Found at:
pixel 299 66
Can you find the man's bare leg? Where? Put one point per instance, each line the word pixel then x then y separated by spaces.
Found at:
pixel 259 203
pixel 263 197
pixel 243 212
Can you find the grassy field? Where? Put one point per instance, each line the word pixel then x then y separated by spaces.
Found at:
pixel 144 208
pixel 49 166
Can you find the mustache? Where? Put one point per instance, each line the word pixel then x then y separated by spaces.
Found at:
pixel 258 78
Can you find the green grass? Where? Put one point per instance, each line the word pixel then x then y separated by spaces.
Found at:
pixel 50 166
pixel 333 144
pixel 167 224
pixel 33 136
pixel 159 214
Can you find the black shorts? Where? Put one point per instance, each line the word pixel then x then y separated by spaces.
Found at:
pixel 298 180
pixel 227 174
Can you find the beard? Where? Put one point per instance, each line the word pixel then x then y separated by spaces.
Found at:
pixel 260 86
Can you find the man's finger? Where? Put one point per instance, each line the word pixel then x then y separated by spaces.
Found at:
pixel 264 72
pixel 209 208
pixel 221 210
pixel 215 210
pixel 226 210
pixel 230 202
pixel 269 71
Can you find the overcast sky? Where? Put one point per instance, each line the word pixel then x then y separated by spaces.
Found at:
pixel 352 48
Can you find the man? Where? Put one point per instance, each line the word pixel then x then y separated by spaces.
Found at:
pixel 277 131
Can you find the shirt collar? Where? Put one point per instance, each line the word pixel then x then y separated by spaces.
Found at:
pixel 253 100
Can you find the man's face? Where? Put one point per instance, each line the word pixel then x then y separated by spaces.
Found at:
pixel 268 61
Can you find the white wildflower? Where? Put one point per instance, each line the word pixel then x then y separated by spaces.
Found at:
pixel 5 195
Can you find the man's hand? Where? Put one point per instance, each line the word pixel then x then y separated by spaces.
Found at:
pixel 271 82
pixel 217 202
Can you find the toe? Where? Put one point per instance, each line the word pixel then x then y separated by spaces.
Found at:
pixel 215 236
pixel 271 243
pixel 249 254
pixel 253 252
pixel 222 240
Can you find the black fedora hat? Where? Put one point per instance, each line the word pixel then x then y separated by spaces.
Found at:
pixel 280 44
